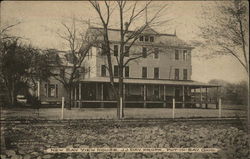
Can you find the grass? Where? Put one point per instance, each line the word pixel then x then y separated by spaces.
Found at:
pixel 110 113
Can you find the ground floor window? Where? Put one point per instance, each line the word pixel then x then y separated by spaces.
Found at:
pixel 51 90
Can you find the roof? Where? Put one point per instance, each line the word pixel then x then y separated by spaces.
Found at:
pixel 169 40
pixel 153 81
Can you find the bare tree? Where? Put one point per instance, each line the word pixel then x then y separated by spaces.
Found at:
pixel 127 38
pixel 70 68
pixel 225 31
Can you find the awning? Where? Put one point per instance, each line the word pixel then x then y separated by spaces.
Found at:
pixel 152 81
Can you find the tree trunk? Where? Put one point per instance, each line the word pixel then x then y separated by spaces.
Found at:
pixel 69 97
pixel 12 94
pixel 120 99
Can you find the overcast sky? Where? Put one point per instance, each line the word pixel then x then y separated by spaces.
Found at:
pixel 40 20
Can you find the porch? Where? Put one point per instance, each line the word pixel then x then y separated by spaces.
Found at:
pixel 144 93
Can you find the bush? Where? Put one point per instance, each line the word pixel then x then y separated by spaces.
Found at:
pixel 33 101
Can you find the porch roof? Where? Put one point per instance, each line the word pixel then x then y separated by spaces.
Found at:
pixel 153 81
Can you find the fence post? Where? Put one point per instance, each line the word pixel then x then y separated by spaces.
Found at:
pixel 173 107
pixel 121 107
pixel 62 107
pixel 219 107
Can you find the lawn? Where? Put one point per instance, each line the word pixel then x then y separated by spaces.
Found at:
pixel 110 113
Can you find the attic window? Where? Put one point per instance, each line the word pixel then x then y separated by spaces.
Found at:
pixel 146 38
pixel 151 39
pixel 141 38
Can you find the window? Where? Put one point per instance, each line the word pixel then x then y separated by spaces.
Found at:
pixel 83 72
pixel 103 49
pixel 156 72
pixel 51 90
pixel 151 39
pixel 176 54
pixel 144 52
pixel 144 72
pixel 185 55
pixel 156 53
pixel 126 53
pixel 184 74
pixel 62 72
pixel 146 38
pixel 89 71
pixel 126 71
pixel 77 74
pixel 116 71
pixel 115 50
pixel 141 38
pixel 176 77
pixel 156 91
pixel 103 70
pixel 90 53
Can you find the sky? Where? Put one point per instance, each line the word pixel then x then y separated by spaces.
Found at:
pixel 41 20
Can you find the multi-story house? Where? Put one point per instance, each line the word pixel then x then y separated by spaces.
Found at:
pixel 163 72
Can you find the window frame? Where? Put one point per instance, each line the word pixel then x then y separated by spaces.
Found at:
pixel 144 52
pixel 156 73
pixel 146 38
pixel 103 71
pixel 177 75
pixel 126 71
pixel 144 72
pixel 116 71
pixel 49 90
pixel 177 55
pixel 116 52
pixel 185 74
pixel 185 55
pixel 156 53
pixel 126 51
pixel 141 38
pixel 152 39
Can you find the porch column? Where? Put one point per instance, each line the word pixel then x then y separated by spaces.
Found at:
pixel 206 99
pixel 102 103
pixel 217 99
pixel 201 97
pixel 164 96
pixel 72 97
pixel 159 94
pixel 80 94
pixel 144 95
pixel 96 91
pixel 38 90
pixel 124 94
pixel 183 96
pixel 195 97
pixel 75 97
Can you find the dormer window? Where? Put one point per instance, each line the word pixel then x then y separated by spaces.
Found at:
pixel 141 38
pixel 151 39
pixel 147 38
